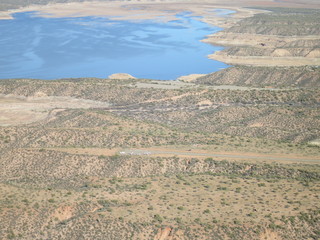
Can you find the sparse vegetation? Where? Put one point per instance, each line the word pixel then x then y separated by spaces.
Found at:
pixel 90 173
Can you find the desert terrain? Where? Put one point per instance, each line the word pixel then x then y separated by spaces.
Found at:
pixel 232 154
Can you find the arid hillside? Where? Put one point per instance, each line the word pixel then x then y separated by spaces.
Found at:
pixel 289 114
pixel 268 77
pixel 282 37
pixel 230 155
pixel 142 159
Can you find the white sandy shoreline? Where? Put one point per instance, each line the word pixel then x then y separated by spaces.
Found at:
pixel 119 10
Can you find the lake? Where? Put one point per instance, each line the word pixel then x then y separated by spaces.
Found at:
pixel 51 48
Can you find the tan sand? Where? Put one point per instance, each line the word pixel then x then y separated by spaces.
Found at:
pixel 16 110
pixel 150 9
pixel 190 78
pixel 142 10
pixel 269 61
pixel 121 76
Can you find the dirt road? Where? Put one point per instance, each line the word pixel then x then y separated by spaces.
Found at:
pixel 225 155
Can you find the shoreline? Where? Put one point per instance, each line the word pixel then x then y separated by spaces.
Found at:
pixel 164 11
pixel 7 9
pixel 264 61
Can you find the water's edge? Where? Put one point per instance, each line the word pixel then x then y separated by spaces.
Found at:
pixel 53 48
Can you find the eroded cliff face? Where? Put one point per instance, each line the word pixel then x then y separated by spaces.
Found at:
pixel 280 38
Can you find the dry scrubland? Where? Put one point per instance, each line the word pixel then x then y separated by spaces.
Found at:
pixel 62 175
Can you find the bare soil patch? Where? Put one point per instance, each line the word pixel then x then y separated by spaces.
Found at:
pixel 17 110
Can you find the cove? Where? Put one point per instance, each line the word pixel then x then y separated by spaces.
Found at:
pixel 52 48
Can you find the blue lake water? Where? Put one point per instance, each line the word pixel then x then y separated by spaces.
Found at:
pixel 223 12
pixel 52 48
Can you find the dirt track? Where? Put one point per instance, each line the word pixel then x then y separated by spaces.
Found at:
pixel 228 155
pixel 198 153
